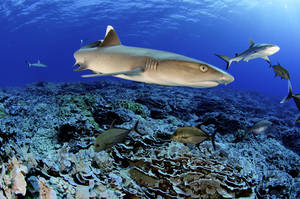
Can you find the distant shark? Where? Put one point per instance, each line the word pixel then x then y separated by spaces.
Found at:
pixel 110 58
pixel 253 52
pixel 37 64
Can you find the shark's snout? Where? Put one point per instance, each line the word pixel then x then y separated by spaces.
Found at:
pixel 226 79
pixel 273 49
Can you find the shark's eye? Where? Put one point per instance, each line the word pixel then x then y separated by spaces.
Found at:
pixel 203 68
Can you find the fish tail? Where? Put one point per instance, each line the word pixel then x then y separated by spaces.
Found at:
pixel 135 128
pixel 290 95
pixel 213 139
pixel 298 120
pixel 28 63
pixel 227 59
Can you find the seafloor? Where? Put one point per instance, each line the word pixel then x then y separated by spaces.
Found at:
pixel 47 131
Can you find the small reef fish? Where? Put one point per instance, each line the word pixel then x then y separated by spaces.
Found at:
pixel 260 127
pixel 295 97
pixel 253 52
pixel 37 64
pixel 111 137
pixel 280 71
pixel 111 58
pixel 193 135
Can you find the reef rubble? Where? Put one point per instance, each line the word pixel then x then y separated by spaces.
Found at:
pixel 47 131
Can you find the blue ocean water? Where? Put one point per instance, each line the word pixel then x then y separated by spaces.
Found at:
pixel 51 31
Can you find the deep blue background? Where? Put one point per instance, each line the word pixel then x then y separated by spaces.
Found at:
pixel 198 30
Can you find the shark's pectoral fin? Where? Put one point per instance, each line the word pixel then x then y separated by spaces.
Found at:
pixel 267 59
pixel 133 72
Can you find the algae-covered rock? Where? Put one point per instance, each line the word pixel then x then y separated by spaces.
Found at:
pixel 132 106
pixel 75 115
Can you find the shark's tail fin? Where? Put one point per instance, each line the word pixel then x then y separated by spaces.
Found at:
pixel 290 95
pixel 298 120
pixel 227 59
pixel 28 63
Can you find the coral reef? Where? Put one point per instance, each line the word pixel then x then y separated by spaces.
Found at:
pixel 47 131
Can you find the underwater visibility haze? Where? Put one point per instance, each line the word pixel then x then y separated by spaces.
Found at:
pixel 200 109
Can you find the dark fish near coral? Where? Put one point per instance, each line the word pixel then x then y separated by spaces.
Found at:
pixel 280 71
pixel 193 135
pixel 111 137
pixel 260 127
pixel 295 97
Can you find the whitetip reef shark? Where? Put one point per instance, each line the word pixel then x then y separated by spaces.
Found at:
pixel 110 58
pixel 253 52
pixel 37 64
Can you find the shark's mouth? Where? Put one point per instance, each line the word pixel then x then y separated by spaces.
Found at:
pixel 203 84
pixel 80 67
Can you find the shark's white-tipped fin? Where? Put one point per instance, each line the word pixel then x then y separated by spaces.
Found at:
pixel 108 28
pixel 135 71
pixel 251 42
pixel 111 38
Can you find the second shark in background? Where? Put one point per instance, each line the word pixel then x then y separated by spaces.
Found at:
pixel 253 52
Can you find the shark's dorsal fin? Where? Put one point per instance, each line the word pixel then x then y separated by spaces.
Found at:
pixel 111 38
pixel 108 28
pixel 39 61
pixel 251 42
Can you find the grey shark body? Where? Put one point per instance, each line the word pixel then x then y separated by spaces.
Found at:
pixel 37 64
pixel 110 58
pixel 253 52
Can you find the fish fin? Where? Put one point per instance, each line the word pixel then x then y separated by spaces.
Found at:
pixel 38 61
pixel 267 59
pixel 135 128
pixel 28 63
pixel 93 44
pixel 81 42
pixel 198 146
pixel 213 139
pixel 112 123
pixel 225 58
pixel 135 71
pixel 290 95
pixel 111 38
pixel 80 68
pixel 298 120
pixel 251 43
pixel 108 28
pixel 236 54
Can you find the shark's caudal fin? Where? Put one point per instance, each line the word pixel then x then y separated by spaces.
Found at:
pixel 227 59
pixel 298 120
pixel 290 95
pixel 28 63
